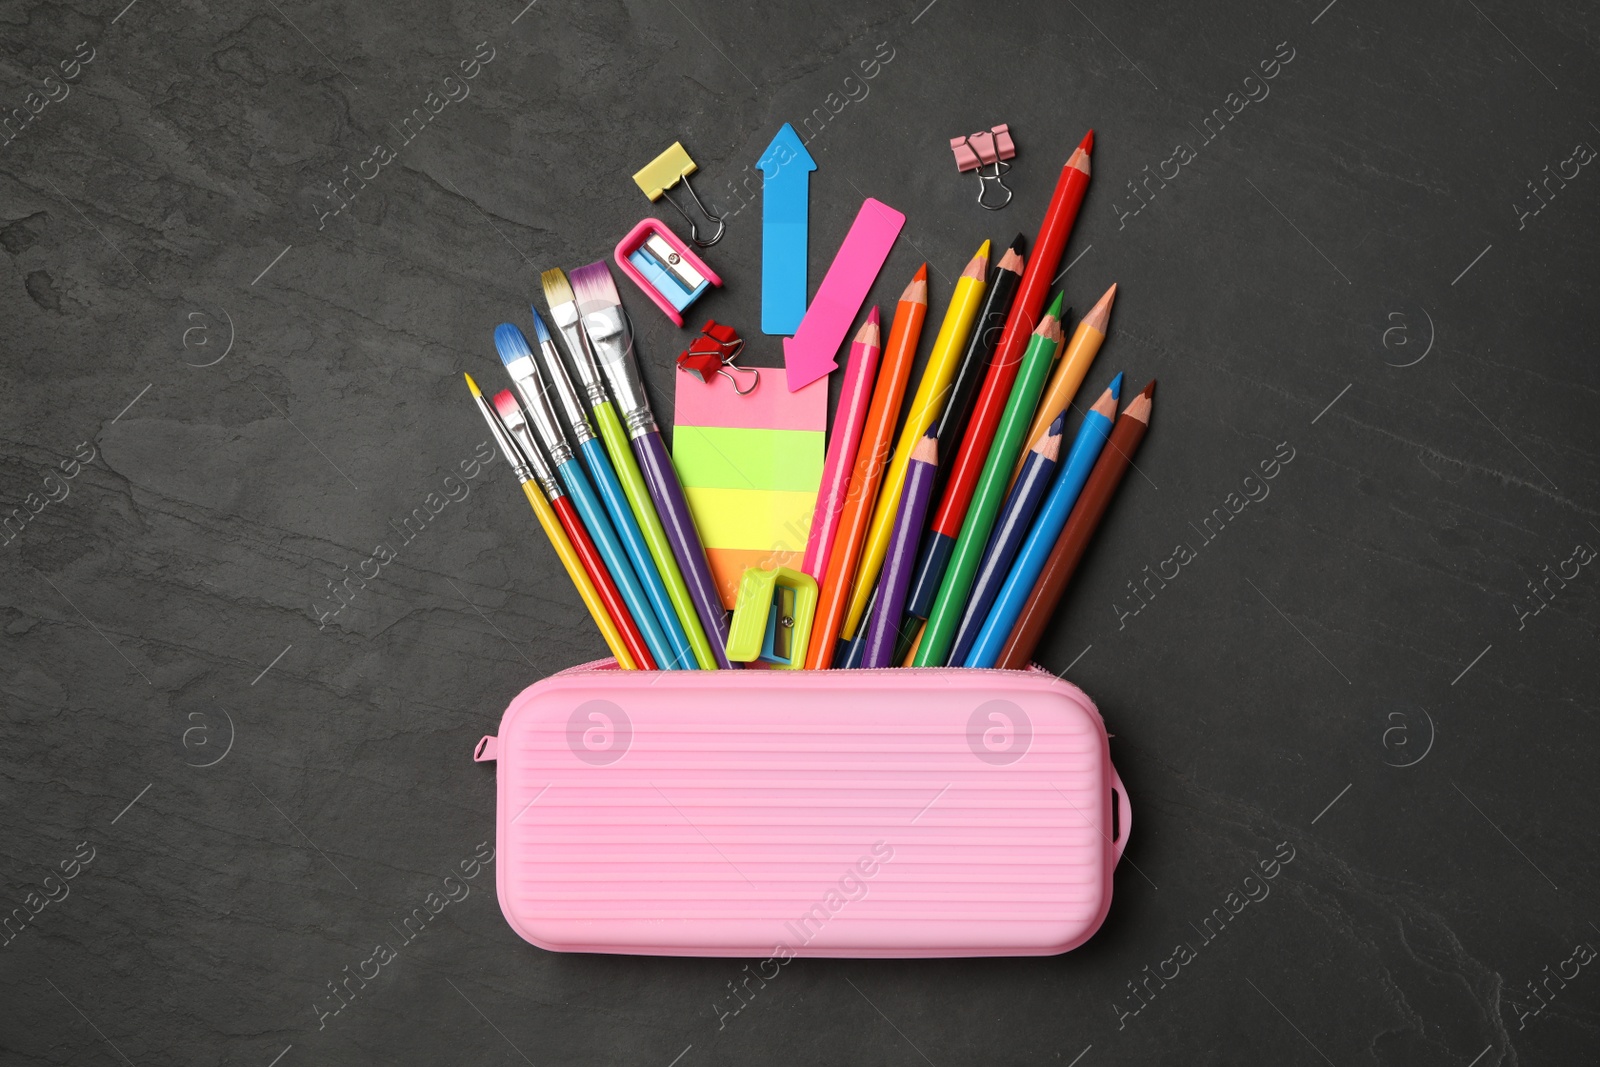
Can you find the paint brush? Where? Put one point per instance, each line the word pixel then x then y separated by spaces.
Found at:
pixel 536 480
pixel 601 309
pixel 638 616
pixel 564 312
pixel 593 559
pixel 593 452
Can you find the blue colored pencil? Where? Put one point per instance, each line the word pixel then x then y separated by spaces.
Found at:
pixel 1046 527
pixel 1010 528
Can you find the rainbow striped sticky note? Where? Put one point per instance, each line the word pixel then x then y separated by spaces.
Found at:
pixel 750 467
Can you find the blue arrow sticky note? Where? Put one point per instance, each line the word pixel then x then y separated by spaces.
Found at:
pixel 786 169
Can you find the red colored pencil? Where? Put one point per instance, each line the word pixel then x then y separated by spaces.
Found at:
pixel 1025 311
pixel 609 595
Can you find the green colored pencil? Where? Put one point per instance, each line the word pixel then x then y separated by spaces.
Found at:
pixel 945 618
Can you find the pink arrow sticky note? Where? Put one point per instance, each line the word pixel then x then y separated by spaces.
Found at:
pixel 809 354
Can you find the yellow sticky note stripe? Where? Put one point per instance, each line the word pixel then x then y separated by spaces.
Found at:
pixel 725 457
pixel 751 518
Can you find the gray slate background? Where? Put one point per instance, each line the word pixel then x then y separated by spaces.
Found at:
pixel 1343 268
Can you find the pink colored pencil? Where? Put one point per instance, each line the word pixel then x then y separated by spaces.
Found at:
pixel 848 420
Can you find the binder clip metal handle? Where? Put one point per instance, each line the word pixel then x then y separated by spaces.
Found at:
pixel 986 148
pixel 665 171
pixel 714 352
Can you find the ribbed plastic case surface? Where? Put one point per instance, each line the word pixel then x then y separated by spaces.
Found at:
pixel 813 813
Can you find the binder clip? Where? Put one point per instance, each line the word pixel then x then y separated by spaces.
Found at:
pixel 667 170
pixel 661 264
pixel 714 352
pixel 772 619
pixel 986 148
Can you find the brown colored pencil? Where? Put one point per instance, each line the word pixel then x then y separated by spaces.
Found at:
pixel 1080 529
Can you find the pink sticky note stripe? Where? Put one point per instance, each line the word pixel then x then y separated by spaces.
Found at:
pixel 770 407
pixel 809 354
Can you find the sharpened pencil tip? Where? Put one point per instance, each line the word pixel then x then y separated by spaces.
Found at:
pixel 917 289
pixel 1149 391
pixel 1087 144
pixel 869 333
pixel 1099 316
pixel 1116 386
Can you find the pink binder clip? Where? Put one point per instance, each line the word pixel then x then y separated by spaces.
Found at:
pixel 986 148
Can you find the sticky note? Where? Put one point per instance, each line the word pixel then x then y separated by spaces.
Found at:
pixel 751 467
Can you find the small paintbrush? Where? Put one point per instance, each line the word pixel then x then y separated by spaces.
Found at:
pixel 533 474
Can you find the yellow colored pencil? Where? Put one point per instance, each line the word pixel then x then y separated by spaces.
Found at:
pixel 1070 371
pixel 531 477
pixel 932 392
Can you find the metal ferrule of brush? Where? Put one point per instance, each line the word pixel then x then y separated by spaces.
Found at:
pixel 531 387
pixel 524 443
pixel 561 385
pixel 604 330
pixel 565 316
pixel 508 448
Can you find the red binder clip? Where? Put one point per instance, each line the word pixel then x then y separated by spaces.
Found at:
pixel 714 352
pixel 986 148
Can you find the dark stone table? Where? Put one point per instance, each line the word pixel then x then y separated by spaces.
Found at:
pixel 251 248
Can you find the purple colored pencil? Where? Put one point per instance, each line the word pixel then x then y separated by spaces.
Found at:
pixel 884 629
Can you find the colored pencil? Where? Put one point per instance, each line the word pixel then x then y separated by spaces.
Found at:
pixel 974 451
pixel 932 392
pixel 934 557
pixel 601 307
pixel 849 418
pixel 637 619
pixel 1038 464
pixel 1074 539
pixel 884 629
pixel 564 311
pixel 850 653
pixel 989 492
pixel 593 451
pixel 596 562
pixel 1024 573
pixel 525 475
pixel 1074 365
pixel 833 594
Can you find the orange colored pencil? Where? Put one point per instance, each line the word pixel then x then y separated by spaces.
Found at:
pixel 877 440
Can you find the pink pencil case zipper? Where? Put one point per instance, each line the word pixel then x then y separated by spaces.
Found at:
pixel 889 813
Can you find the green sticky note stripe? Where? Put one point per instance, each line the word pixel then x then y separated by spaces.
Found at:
pixel 722 457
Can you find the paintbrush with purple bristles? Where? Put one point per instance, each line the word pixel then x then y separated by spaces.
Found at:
pixel 600 307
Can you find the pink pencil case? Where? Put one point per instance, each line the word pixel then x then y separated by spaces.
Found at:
pixel 890 813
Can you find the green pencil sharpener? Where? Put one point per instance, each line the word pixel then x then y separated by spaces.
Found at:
pixel 772 618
